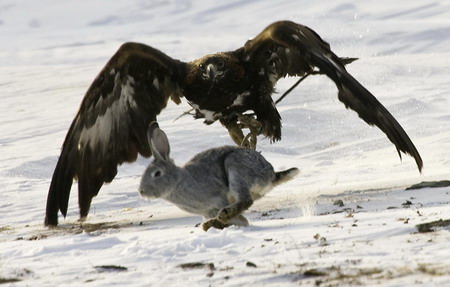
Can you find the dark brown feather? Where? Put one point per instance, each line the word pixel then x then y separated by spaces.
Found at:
pixel 297 50
pixel 110 127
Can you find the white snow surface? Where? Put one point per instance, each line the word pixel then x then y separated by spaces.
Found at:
pixel 50 52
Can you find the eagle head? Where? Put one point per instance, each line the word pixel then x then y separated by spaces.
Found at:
pixel 213 82
pixel 211 67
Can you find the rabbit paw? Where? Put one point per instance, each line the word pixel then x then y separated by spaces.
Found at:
pixel 225 214
pixel 214 222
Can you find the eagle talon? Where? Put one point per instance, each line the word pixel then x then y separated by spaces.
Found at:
pixel 235 131
pixel 250 140
pixel 240 122
pixel 249 121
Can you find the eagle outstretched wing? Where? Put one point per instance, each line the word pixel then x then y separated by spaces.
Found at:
pixel 291 49
pixel 110 127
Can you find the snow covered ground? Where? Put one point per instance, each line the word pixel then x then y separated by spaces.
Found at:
pixel 300 234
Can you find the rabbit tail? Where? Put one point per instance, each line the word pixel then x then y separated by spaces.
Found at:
pixel 285 175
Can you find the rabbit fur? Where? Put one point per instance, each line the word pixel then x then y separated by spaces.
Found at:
pixel 219 183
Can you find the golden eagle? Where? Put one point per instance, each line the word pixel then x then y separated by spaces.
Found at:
pixel 110 127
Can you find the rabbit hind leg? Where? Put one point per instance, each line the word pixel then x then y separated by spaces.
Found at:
pixel 213 222
pixel 234 210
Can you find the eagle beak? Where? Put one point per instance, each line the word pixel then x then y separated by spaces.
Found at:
pixel 212 72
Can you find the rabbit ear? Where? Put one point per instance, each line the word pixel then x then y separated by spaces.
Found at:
pixel 159 143
pixel 153 125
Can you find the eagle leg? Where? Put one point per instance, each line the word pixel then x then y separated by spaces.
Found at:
pixel 239 123
pixel 249 121
pixel 234 130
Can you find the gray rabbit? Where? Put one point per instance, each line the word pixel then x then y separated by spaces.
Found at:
pixel 219 183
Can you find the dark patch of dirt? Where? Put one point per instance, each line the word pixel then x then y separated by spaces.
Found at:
pixel 110 268
pixel 426 184
pixel 339 203
pixel 355 276
pixel 78 228
pixel 197 265
pixel 5 228
pixel 407 204
pixel 337 276
pixel 8 280
pixel 433 226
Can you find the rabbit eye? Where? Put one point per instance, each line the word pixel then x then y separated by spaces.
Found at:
pixel 157 173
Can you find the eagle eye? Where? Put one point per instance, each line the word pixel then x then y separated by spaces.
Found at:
pixel 221 64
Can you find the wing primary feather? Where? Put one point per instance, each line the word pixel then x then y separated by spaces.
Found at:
pixel 59 191
pixel 359 99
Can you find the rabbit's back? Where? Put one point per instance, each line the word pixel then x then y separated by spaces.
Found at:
pixel 224 174
pixel 212 155
pixel 216 163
